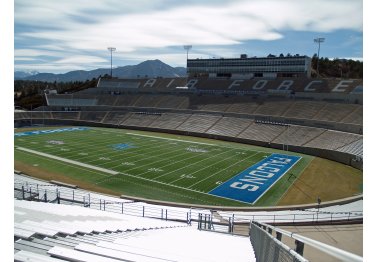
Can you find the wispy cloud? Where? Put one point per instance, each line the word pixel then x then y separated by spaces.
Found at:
pixel 133 26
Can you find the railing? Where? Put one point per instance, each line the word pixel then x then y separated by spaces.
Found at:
pixel 261 233
pixel 208 219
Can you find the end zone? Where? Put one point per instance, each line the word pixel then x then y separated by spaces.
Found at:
pixel 251 184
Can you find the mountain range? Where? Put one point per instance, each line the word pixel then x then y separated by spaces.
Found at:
pixel 149 68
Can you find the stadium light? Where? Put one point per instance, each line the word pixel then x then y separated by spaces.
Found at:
pixel 111 49
pixel 318 40
pixel 187 47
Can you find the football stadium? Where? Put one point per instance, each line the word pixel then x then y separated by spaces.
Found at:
pixel 244 146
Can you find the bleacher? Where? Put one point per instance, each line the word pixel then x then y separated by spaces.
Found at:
pixel 276 108
pixel 92 116
pixel 262 132
pixel 298 135
pixel 229 126
pixel 198 123
pixel 335 112
pixel 355 117
pixel 304 109
pixel 65 115
pixel 173 102
pixel 140 119
pixel 333 140
pixel 126 100
pixel 169 120
pixel 355 148
pixel 114 118
pixel 51 232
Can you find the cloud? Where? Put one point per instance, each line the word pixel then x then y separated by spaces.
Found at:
pixel 132 26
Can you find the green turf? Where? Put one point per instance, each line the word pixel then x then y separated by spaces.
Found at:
pixel 157 166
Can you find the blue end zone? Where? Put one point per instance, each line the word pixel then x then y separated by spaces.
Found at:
pixel 252 183
pixel 41 132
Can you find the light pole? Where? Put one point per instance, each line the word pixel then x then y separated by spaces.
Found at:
pixel 111 49
pixel 187 47
pixel 318 40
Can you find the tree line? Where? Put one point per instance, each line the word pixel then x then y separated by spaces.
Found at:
pixel 29 94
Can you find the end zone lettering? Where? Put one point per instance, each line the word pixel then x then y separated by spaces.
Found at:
pixel 252 183
pixel 41 132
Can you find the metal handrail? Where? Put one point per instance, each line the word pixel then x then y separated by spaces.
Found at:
pixel 328 249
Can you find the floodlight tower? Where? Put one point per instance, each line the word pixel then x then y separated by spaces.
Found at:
pixel 111 49
pixel 187 47
pixel 318 40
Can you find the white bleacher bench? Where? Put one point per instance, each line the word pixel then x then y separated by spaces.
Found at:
pixel 27 256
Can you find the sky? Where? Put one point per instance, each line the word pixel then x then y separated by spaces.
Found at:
pixel 61 36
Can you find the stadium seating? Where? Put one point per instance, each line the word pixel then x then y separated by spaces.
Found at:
pixel 140 119
pixel 330 140
pixel 335 112
pixel 298 135
pixel 262 132
pixel 51 232
pixel 65 115
pixel 229 126
pixel 95 116
pixel 115 118
pixel 169 120
pixel 198 123
pixel 304 109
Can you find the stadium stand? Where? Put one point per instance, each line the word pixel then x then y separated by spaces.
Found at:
pixel 198 123
pixel 262 132
pixel 329 140
pixel 298 135
pixel 355 117
pixel 303 109
pixel 140 119
pixel 114 118
pixel 65 115
pixel 169 120
pixel 255 110
pixel 355 148
pixel 170 101
pixel 92 116
pixel 276 108
pixel 52 232
pixel 71 233
pixel 229 126
pixel 126 100
pixel 335 112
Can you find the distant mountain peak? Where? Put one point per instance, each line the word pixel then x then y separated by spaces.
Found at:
pixel 148 68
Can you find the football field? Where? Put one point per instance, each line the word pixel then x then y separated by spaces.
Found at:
pixel 160 166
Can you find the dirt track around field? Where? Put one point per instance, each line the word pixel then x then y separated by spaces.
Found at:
pixel 325 179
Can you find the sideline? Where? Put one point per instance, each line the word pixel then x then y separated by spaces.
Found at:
pixel 108 171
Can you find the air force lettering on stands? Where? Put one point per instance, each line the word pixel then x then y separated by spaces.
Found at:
pixel 253 182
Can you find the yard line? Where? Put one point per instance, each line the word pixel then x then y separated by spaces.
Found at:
pixel 111 171
pixel 208 166
pixel 93 145
pixel 68 161
pixel 213 155
pixel 183 188
pixel 172 139
pixel 223 169
pixel 186 141
pixel 85 146
pixel 66 164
